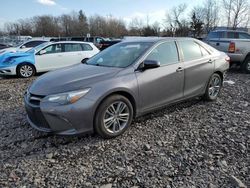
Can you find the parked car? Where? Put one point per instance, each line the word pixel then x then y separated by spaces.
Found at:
pixel 107 43
pixel 23 47
pixel 95 40
pixel 3 46
pixel 46 57
pixel 235 43
pixel 124 81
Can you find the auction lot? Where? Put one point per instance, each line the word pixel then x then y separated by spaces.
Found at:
pixel 192 144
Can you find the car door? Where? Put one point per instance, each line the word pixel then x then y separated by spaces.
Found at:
pixel 161 85
pixel 199 66
pixel 50 58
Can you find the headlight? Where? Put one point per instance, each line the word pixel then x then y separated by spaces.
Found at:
pixel 67 98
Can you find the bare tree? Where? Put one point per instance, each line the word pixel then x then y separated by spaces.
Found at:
pixel 196 25
pixel 136 26
pixel 237 12
pixel 211 15
pixel 83 23
pixel 176 22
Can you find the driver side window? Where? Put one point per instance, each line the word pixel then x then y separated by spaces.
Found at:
pixel 55 48
pixel 165 53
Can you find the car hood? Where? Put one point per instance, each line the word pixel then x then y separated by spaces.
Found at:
pixel 5 56
pixel 70 79
pixel 5 50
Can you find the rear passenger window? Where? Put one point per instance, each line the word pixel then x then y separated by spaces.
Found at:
pixel 204 51
pixel 72 47
pixel 86 47
pixel 190 49
pixel 165 53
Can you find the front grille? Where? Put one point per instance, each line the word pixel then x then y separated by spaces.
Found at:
pixel 35 99
pixel 34 112
pixel 37 117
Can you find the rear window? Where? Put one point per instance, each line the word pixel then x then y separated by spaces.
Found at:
pixel 244 36
pixel 86 47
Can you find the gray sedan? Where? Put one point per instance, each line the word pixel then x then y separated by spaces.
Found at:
pixel 125 81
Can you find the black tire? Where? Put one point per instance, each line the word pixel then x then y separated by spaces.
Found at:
pixel 26 70
pixel 246 65
pixel 103 112
pixel 212 91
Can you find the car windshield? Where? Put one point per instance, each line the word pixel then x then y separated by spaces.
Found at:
pixel 120 55
pixel 39 47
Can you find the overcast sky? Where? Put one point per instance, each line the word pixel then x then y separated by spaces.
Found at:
pixel 11 10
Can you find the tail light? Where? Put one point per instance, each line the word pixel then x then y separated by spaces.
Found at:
pixel 227 59
pixel 231 48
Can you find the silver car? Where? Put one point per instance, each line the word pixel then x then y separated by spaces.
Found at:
pixel 122 82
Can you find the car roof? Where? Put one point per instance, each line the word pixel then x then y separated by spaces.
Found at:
pixel 70 42
pixel 155 39
pixel 32 40
pixel 234 31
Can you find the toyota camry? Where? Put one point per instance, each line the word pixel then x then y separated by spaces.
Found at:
pixel 125 81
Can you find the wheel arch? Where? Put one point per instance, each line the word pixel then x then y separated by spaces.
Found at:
pixel 220 74
pixel 26 63
pixel 124 93
pixel 247 56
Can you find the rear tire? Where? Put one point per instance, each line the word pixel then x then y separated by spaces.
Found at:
pixel 246 65
pixel 113 116
pixel 26 70
pixel 213 87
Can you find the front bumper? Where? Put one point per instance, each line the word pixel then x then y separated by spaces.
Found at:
pixel 7 70
pixel 70 119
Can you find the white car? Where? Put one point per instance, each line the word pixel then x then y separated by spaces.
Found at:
pixel 23 47
pixel 46 57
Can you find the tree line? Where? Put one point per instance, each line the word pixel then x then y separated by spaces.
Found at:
pixel 177 22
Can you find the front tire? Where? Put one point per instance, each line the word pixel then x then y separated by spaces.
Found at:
pixel 25 70
pixel 113 116
pixel 213 87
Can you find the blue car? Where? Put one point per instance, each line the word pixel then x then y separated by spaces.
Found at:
pixel 9 62
pixel 46 57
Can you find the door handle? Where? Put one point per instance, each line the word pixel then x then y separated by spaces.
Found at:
pixel 217 44
pixel 59 55
pixel 180 69
pixel 210 61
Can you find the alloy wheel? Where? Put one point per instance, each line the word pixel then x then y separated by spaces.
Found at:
pixel 116 117
pixel 26 71
pixel 214 86
pixel 248 66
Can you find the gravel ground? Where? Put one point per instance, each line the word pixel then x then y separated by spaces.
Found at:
pixel 192 144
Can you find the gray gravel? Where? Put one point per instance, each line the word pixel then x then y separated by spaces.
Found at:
pixel 192 144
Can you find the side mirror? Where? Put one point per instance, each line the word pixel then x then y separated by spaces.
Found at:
pixel 23 46
pixel 150 64
pixel 42 52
